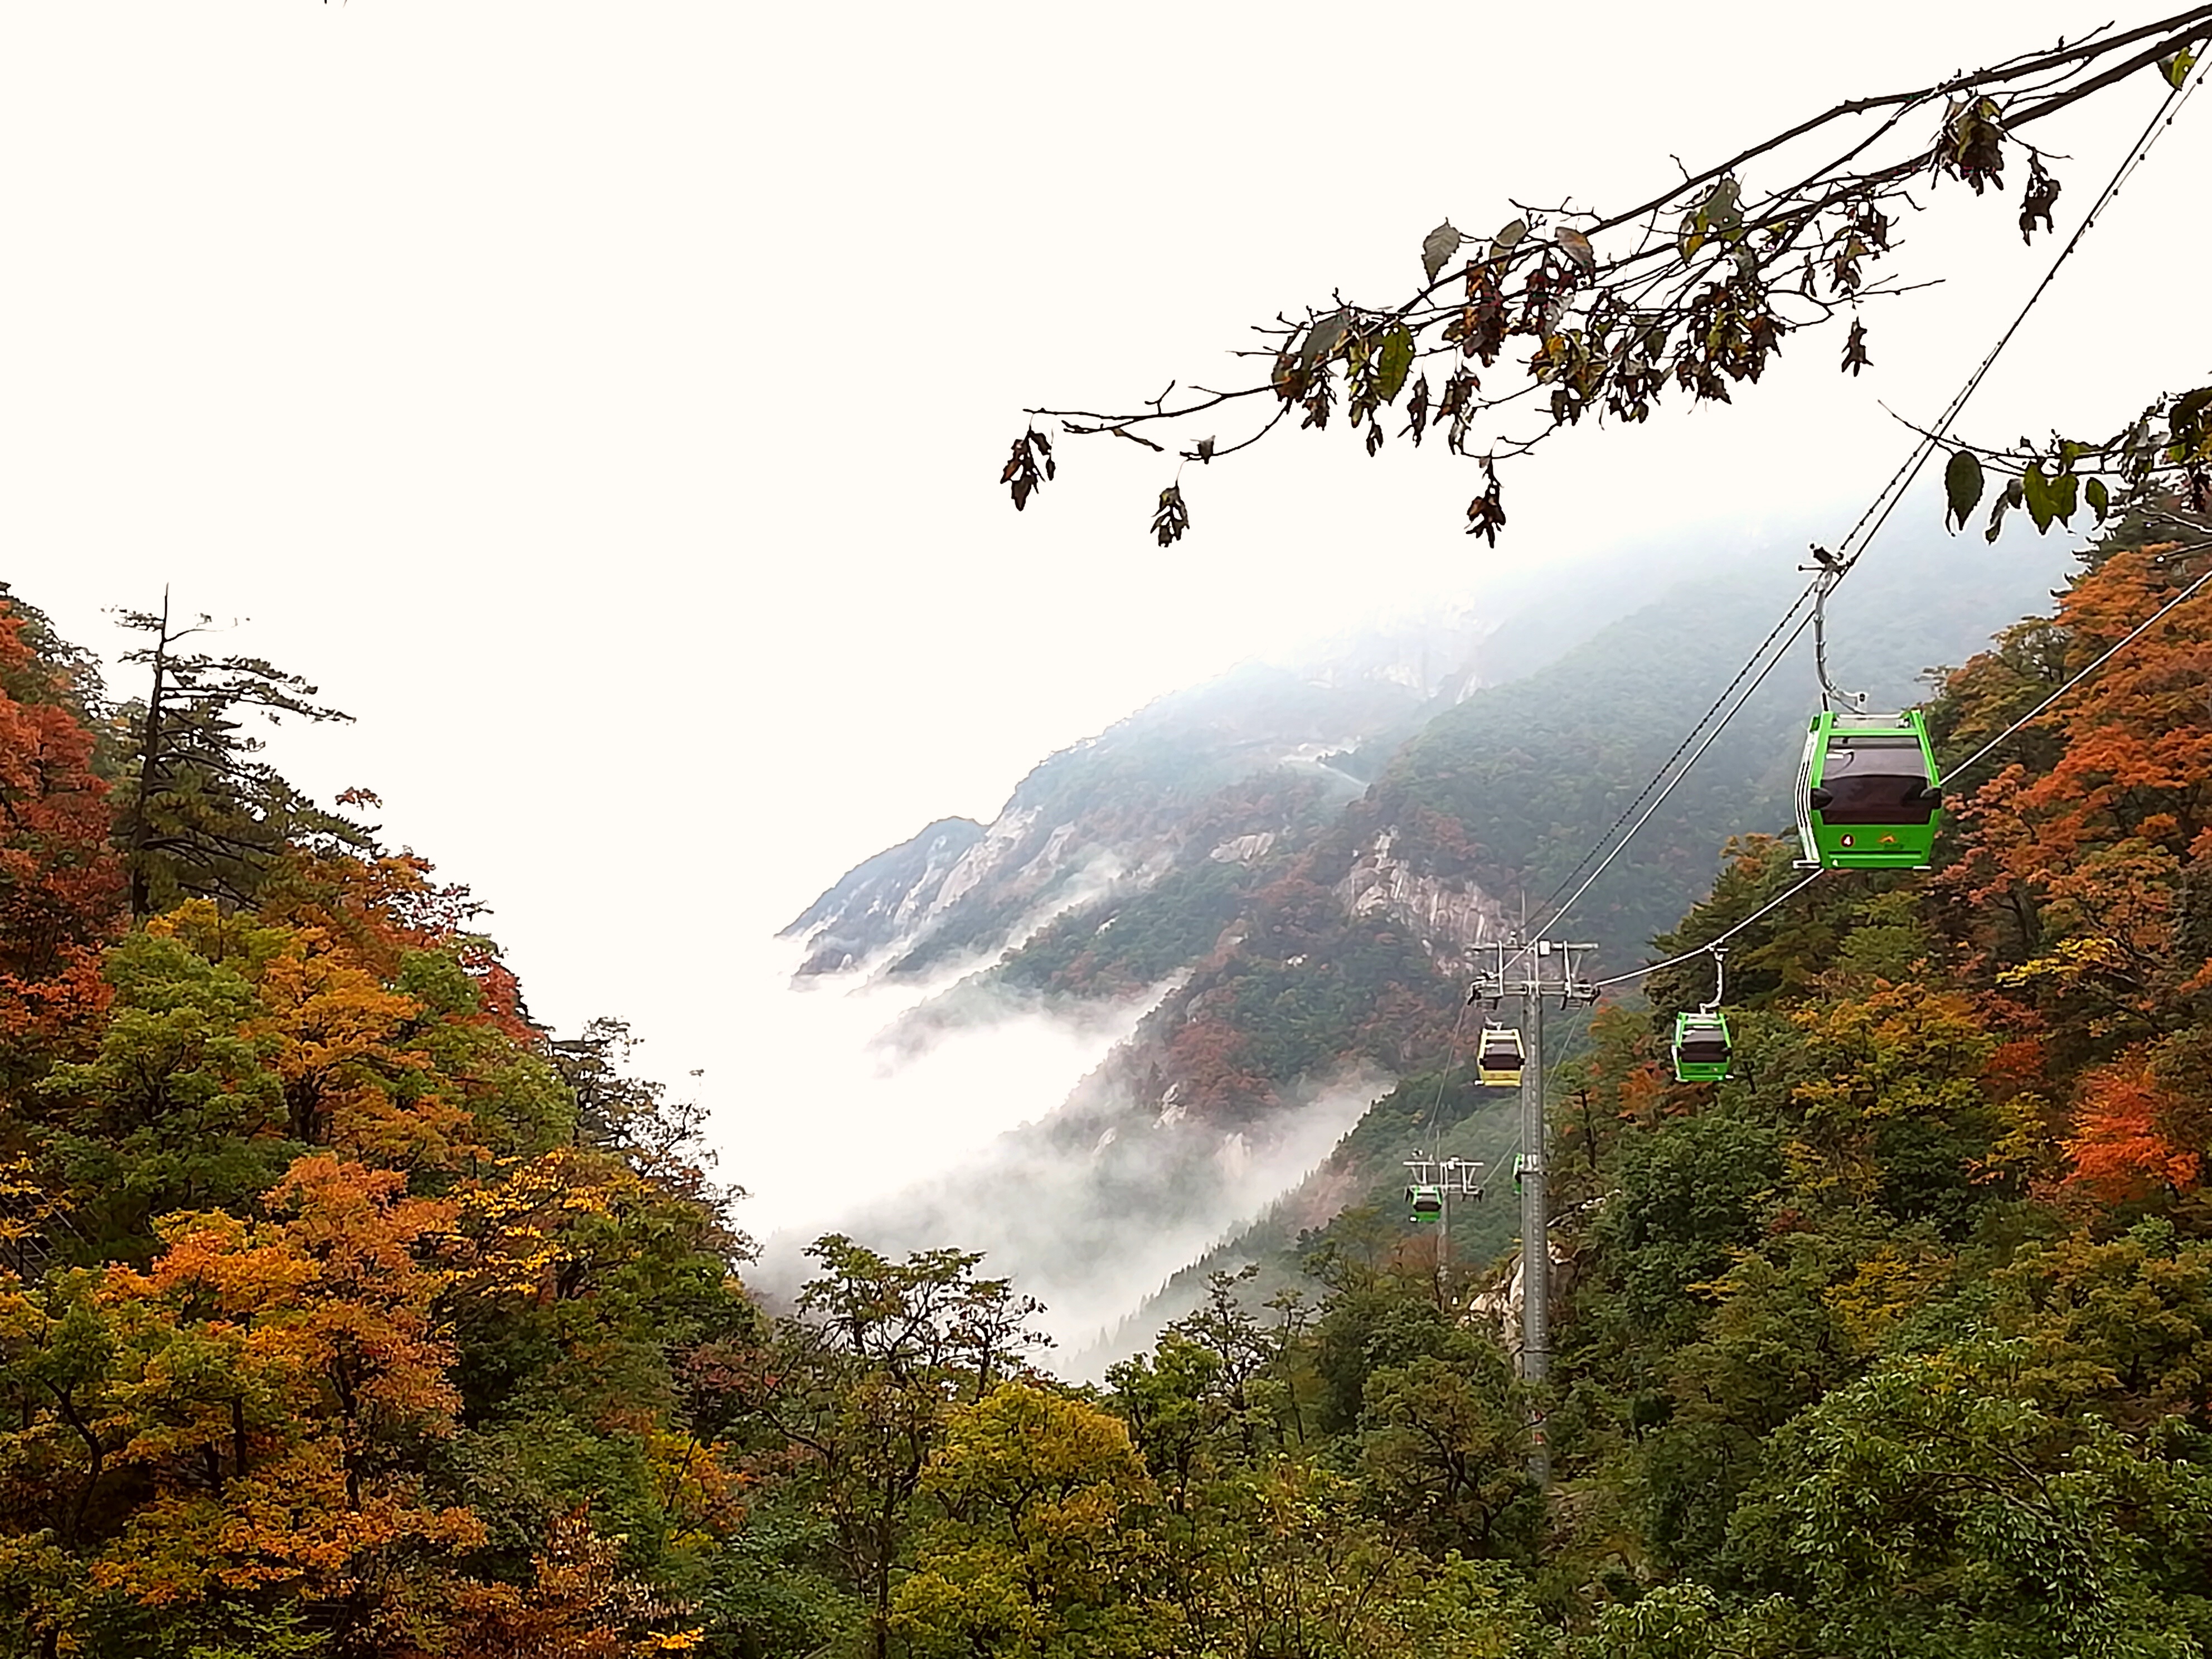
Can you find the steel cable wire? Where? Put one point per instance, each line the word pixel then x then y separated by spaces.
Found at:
pixel 1886 500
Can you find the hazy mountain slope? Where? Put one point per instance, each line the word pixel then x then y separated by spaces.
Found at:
pixel 1315 946
pixel 1117 808
pixel 1502 794
pixel 876 900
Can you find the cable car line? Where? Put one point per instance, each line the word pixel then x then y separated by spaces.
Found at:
pixel 1854 772
pixel 1774 903
pixel 1853 547
pixel 1958 771
pixel 1689 738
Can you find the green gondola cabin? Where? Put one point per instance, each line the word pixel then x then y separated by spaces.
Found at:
pixel 1868 794
pixel 1426 1203
pixel 1702 1050
pixel 1499 1057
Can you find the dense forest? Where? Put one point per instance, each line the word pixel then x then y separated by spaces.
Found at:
pixel 344 1310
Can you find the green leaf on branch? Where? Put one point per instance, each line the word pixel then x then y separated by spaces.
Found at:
pixel 1508 238
pixel 1395 363
pixel 1719 207
pixel 2099 498
pixel 2175 68
pixel 1962 487
pixel 1322 338
pixel 2186 423
pixel 1438 246
pixel 2065 497
pixel 2049 500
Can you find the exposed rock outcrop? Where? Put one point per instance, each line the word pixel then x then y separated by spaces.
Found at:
pixel 874 903
pixel 1451 918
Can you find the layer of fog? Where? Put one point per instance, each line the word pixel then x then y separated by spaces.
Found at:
pixel 816 1116
pixel 1092 1232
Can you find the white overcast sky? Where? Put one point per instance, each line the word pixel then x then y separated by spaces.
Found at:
pixel 604 403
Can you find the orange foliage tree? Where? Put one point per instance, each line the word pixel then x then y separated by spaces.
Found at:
pixel 61 884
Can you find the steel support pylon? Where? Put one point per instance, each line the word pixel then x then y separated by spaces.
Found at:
pixel 1532 972
pixel 1535 1231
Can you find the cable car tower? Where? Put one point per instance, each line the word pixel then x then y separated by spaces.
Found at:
pixel 1430 1185
pixel 1530 973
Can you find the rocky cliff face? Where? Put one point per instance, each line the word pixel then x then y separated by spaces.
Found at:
pixel 884 899
pixel 1119 808
pixel 1451 918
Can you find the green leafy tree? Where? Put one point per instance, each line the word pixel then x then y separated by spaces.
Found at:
pixel 860 1385
pixel 1445 1447
pixel 1932 1508
pixel 180 1109
pixel 1043 1546
pixel 200 814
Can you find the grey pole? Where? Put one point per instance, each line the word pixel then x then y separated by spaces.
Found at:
pixel 1443 1234
pixel 1536 1227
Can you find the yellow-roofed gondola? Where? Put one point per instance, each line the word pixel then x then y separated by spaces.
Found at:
pixel 1499 1056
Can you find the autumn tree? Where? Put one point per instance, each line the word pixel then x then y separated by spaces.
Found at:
pixel 61 884
pixel 578 1605
pixel 237 1428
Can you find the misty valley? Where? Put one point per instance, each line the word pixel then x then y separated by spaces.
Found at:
pixel 1643 1091
pixel 347 1309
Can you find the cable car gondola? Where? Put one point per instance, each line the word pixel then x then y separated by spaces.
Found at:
pixel 1427 1203
pixel 1702 1048
pixel 1499 1056
pixel 1868 794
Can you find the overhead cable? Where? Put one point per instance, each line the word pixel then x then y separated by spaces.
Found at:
pixel 1886 500
pixel 1964 767
pixel 1773 903
pixel 1689 738
pixel 1710 739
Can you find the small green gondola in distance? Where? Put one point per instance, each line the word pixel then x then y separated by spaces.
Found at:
pixel 1868 797
pixel 1426 1203
pixel 1702 1049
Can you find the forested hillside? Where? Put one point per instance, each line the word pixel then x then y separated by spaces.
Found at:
pixel 343 1312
